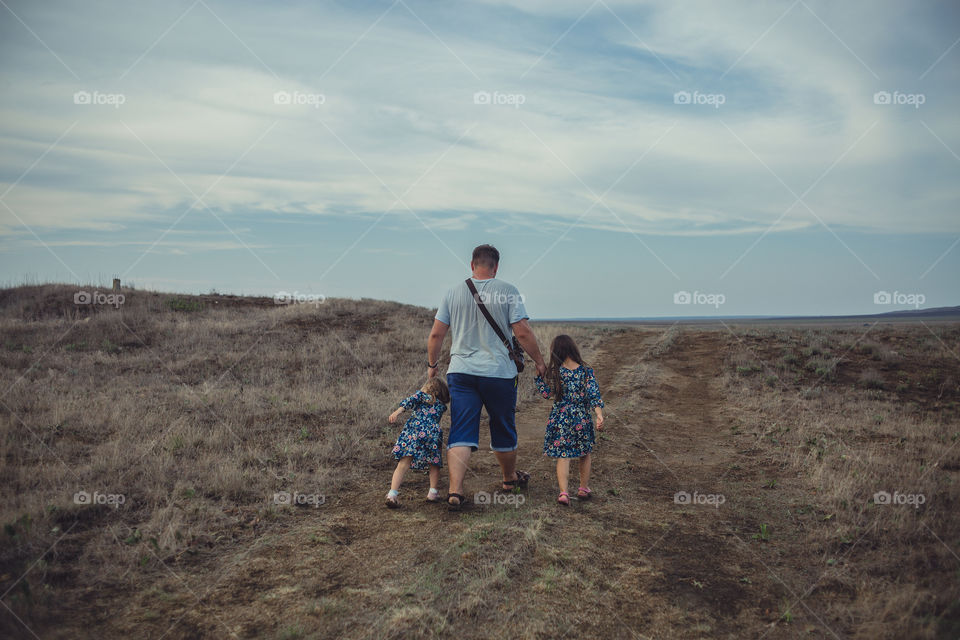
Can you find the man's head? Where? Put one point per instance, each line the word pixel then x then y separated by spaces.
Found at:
pixel 485 260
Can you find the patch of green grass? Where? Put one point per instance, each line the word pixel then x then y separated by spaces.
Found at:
pixel 764 535
pixel 822 367
pixel 548 578
pixel 291 632
pixel 182 304
pixel 786 615
pixel 825 372
pixel 18 526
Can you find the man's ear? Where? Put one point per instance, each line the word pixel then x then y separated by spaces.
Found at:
pixel 471 265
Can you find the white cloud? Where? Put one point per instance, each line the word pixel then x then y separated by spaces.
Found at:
pixel 399 100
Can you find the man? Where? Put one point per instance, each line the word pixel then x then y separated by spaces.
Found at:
pixel 481 373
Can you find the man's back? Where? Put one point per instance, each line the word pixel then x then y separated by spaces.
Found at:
pixel 475 347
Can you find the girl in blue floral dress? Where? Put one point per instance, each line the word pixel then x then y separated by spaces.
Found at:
pixel 570 432
pixel 421 441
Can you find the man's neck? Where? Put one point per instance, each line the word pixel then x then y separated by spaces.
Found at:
pixel 482 275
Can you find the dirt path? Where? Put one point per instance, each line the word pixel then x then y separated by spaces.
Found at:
pixel 665 434
pixel 658 569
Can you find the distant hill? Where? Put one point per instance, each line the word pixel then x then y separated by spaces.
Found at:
pixel 914 313
pixel 940 314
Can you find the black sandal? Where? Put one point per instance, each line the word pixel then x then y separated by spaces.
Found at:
pixel 455 507
pixel 523 479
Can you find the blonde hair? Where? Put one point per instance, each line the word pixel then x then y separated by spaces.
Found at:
pixel 438 389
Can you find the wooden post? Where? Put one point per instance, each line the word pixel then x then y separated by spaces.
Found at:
pixel 116 284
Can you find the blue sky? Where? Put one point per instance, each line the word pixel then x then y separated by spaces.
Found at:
pixel 791 157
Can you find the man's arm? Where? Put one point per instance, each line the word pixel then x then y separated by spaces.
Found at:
pixel 434 342
pixel 528 341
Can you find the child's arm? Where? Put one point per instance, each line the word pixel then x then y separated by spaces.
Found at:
pixel 594 400
pixel 407 403
pixel 542 387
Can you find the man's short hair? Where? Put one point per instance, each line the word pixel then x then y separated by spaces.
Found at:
pixel 486 255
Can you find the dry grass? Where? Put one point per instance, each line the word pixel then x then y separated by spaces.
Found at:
pixel 199 409
pixel 886 564
pixel 197 417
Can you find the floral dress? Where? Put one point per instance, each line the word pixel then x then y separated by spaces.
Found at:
pixel 421 437
pixel 570 427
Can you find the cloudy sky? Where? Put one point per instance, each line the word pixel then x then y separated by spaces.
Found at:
pixel 783 157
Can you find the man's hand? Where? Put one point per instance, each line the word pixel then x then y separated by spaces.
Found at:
pixel 432 372
pixel 528 341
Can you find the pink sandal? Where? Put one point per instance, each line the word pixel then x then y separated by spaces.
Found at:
pixel 583 493
pixel 564 499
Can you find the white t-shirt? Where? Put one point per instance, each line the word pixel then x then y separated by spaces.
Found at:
pixel 476 349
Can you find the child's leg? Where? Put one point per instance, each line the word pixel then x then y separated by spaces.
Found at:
pixel 434 473
pixel 585 470
pixel 402 467
pixel 563 472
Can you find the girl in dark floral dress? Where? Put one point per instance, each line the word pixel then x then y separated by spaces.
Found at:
pixel 421 441
pixel 570 432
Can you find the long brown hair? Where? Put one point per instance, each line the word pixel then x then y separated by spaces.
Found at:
pixel 561 348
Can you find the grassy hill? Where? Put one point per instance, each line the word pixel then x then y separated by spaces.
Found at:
pixel 145 445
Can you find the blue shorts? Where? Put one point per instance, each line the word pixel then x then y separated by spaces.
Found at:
pixel 468 394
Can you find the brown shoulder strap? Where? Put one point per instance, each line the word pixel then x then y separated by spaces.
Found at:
pixel 486 314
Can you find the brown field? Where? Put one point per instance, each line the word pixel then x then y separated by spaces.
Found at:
pixel 197 410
